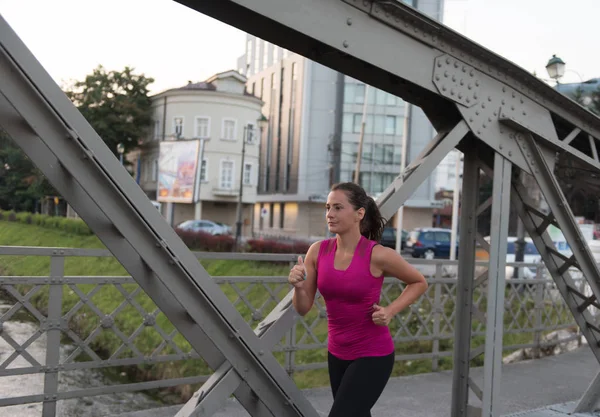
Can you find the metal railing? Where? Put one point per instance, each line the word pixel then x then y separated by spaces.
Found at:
pixel 96 322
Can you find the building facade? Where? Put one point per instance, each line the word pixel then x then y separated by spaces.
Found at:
pixel 312 140
pixel 220 113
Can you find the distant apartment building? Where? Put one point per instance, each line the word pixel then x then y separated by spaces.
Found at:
pixel 311 110
pixel 220 113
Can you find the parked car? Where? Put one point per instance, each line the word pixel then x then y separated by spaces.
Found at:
pixel 206 226
pixel 430 243
pixel 388 238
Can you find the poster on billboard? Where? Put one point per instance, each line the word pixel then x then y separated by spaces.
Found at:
pixel 177 165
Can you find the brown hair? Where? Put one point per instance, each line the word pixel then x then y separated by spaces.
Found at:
pixel 372 224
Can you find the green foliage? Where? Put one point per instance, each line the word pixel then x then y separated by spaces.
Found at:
pixel 67 225
pixel 21 183
pixel 116 104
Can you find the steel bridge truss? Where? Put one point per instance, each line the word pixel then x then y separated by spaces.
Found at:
pixel 505 121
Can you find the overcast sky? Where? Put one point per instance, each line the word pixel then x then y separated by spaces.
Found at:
pixel 174 44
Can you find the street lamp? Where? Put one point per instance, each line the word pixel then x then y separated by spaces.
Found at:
pixel 121 151
pixel 555 68
pixel 249 131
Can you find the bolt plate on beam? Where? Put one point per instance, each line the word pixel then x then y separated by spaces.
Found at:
pixel 456 80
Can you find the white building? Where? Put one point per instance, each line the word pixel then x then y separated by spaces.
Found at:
pixel 219 112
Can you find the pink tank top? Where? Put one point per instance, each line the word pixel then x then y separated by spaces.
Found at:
pixel 349 297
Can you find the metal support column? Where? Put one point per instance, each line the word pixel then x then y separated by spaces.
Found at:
pixel 465 285
pixel 496 285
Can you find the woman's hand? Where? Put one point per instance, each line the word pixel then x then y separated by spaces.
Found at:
pixel 298 274
pixel 381 316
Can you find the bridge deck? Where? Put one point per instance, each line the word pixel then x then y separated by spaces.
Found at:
pixel 525 386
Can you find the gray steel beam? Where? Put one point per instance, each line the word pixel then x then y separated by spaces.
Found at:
pixel 224 381
pixel 341 34
pixel 38 106
pixel 496 285
pixel 406 183
pixel 465 285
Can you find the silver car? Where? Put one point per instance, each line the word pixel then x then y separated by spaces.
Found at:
pixel 206 226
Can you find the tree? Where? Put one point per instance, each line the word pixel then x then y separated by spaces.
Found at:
pixel 22 184
pixel 116 104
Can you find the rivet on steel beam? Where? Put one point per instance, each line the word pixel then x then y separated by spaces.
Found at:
pixel 444 88
pixel 490 99
pixel 477 113
pixel 471 119
pixel 504 89
pixel 509 153
pixel 349 22
pixel 468 100
pixel 460 95
pixel 512 108
pixel 455 64
pixel 483 105
pixel 452 92
pixel 345 44
pixel 464 69
pixel 524 113
pixel 437 77
pixel 454 78
pixel 439 64
pixel 448 61
pixel 471 73
pixel 501 146
pixel 446 74
pixel 484 125
pixel 477 83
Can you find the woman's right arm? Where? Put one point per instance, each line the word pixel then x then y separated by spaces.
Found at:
pixel 305 289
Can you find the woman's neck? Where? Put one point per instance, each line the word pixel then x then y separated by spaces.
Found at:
pixel 348 241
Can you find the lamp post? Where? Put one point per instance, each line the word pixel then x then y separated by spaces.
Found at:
pixel 555 68
pixel 248 133
pixel 121 151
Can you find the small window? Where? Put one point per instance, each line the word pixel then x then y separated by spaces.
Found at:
pixel 203 170
pixel 228 129
pixel 202 127
pixel 178 127
pixel 226 177
pixel 247 173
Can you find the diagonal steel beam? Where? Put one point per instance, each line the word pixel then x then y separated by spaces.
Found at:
pixel 225 381
pixel 560 208
pixel 402 188
pixel 38 106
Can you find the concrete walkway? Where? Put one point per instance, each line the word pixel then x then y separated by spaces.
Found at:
pixel 525 386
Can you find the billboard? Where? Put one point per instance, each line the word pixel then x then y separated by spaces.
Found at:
pixel 177 164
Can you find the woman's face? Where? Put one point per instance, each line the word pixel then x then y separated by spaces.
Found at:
pixel 341 215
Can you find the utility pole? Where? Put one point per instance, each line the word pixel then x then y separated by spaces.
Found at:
pixel 198 206
pixel 405 134
pixel 238 231
pixel 362 136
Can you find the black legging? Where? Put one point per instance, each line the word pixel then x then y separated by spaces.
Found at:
pixel 357 384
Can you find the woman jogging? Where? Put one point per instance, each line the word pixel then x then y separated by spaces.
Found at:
pixel 348 271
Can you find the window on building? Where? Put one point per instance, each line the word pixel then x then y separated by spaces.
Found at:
pixel 271 211
pixel 257 56
pixel 388 154
pixel 359 93
pixel 251 133
pixel 281 215
pixel 178 127
pixel 154 169
pixel 247 173
pixel 266 55
pixel 262 87
pixel 202 127
pixel 157 134
pixel 391 99
pixel 203 170
pixel 357 121
pixel 390 125
pixel 226 175
pixel 249 53
pixel 228 132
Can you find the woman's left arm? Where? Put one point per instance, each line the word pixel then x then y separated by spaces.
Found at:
pixel 390 263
